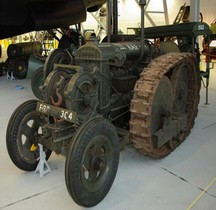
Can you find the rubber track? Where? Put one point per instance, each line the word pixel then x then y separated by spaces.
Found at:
pixel 141 104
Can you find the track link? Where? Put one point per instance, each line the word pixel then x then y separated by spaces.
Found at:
pixel 144 95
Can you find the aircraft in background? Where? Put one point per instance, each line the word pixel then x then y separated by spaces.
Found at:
pixel 22 16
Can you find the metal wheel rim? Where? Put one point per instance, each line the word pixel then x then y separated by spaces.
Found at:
pixel 96 163
pixel 29 127
pixel 162 107
pixel 179 81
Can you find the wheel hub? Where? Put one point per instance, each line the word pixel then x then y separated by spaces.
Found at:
pixel 179 82
pixel 97 163
pixel 162 105
pixel 92 161
pixel 20 68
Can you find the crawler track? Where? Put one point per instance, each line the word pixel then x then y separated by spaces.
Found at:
pixel 144 96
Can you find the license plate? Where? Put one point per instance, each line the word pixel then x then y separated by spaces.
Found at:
pixel 58 112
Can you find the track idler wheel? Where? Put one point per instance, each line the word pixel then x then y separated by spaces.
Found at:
pixel 23 127
pixel 92 162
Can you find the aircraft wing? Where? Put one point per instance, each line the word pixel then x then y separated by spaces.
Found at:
pixel 22 16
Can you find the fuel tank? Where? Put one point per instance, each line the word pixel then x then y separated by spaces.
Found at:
pixel 22 16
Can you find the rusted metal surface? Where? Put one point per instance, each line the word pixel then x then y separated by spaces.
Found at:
pixel 58 94
pixel 144 96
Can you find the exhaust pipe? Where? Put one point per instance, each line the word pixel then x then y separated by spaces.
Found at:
pixel 142 4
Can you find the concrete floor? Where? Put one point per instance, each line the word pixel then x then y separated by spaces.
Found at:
pixel 186 179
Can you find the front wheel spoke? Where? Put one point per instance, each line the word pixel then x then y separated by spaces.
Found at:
pixel 93 175
pixel 27 131
pixel 99 149
pixel 27 144
pixel 24 128
pixel 30 135
pixel 36 125
pixel 86 162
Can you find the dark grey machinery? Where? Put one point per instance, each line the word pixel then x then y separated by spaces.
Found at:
pixel 143 89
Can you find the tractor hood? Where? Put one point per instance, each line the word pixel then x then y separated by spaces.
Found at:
pixel 22 16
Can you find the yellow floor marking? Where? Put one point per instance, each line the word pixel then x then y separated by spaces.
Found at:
pixel 201 194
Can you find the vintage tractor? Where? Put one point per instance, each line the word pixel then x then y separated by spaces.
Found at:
pixel 141 89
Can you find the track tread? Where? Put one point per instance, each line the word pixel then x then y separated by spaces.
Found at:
pixel 141 104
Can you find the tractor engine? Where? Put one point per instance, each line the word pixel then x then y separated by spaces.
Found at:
pixel 101 82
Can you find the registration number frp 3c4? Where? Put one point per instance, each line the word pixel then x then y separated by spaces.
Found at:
pixel 58 112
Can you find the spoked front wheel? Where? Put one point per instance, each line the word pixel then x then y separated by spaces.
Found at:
pixel 92 162
pixel 23 128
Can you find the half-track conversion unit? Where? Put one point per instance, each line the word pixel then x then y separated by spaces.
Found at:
pixel 141 89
